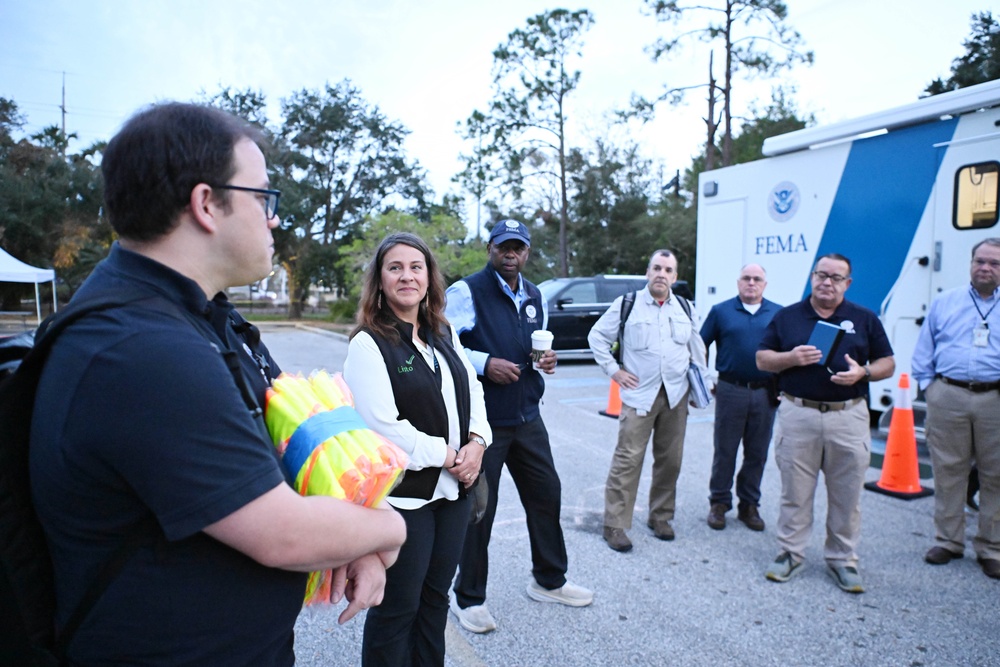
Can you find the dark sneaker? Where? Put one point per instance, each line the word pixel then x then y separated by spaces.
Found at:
pixel 991 566
pixel 717 516
pixel 749 515
pixel 940 556
pixel 783 568
pixel 662 530
pixel 617 539
pixel 846 577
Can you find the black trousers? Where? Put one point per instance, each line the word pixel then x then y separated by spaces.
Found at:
pixel 526 452
pixel 408 627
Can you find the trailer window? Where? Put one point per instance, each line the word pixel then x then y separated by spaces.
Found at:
pixel 976 188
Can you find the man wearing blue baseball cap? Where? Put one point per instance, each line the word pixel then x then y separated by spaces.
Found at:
pixel 494 312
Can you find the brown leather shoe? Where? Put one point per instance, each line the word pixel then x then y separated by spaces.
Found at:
pixel 617 539
pixel 717 516
pixel 940 556
pixel 991 567
pixel 661 529
pixel 749 515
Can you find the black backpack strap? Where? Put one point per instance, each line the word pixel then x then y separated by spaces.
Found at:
pixel 136 538
pixel 686 306
pixel 628 301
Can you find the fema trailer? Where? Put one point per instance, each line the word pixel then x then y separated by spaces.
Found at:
pixel 905 194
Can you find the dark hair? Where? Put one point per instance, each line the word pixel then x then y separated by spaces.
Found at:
pixel 993 241
pixel 375 313
pixel 661 251
pixel 159 156
pixel 835 256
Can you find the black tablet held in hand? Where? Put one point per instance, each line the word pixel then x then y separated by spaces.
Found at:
pixel 826 337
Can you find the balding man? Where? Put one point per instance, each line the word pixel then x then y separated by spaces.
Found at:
pixel 745 398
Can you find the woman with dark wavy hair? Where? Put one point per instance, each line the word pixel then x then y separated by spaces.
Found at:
pixel 413 384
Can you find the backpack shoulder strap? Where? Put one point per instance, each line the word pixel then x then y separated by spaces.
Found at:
pixel 685 305
pixel 628 301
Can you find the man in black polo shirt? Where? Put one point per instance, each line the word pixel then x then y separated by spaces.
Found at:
pixel 142 426
pixel 744 405
pixel 823 422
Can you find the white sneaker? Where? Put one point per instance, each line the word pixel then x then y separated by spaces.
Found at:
pixel 476 619
pixel 569 594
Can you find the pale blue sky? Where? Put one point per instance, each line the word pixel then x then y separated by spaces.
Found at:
pixel 427 64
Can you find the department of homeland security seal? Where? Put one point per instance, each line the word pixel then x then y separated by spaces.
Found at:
pixel 783 202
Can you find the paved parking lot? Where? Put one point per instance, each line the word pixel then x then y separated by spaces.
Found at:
pixel 701 599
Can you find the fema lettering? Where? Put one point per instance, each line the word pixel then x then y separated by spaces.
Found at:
pixel 776 245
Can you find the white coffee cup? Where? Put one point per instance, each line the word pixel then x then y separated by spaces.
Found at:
pixel 541 342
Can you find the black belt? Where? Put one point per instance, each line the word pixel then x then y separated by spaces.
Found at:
pixel 732 379
pixel 974 387
pixel 823 406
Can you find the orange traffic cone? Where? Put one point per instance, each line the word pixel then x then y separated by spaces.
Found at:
pixel 900 468
pixel 614 402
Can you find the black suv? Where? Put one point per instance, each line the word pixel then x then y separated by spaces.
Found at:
pixel 575 304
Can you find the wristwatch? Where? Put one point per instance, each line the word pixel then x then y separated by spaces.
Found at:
pixel 479 439
pixel 868 372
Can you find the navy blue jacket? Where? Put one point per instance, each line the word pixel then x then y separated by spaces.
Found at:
pixel 501 331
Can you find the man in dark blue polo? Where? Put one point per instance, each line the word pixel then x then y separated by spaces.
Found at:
pixel 744 398
pixel 823 422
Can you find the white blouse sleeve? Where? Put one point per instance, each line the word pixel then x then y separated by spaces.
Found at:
pixel 477 416
pixel 365 373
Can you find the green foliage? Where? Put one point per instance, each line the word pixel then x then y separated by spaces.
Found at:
pixel 337 159
pixel 520 141
pixel 444 235
pixel 49 205
pixel 980 62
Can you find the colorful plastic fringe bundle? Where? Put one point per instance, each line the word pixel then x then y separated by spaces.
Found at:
pixel 328 449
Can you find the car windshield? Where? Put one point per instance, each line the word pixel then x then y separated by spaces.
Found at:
pixel 549 287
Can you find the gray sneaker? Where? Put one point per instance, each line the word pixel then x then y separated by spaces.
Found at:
pixel 568 594
pixel 476 618
pixel 783 568
pixel 846 577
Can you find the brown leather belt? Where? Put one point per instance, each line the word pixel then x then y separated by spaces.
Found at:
pixel 823 406
pixel 974 387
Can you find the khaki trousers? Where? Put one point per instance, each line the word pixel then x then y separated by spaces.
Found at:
pixel 963 426
pixel 668 426
pixel 838 443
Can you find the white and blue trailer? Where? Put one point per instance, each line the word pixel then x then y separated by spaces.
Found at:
pixel 904 194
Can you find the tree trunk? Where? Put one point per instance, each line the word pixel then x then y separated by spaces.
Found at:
pixel 727 138
pixel 564 205
pixel 710 120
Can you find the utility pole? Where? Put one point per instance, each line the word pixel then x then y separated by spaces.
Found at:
pixel 62 108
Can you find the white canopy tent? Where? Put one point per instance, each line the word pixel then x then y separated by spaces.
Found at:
pixel 13 270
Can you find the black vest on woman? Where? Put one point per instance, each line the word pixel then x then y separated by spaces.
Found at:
pixel 416 387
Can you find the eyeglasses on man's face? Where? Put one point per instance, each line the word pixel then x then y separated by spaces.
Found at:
pixel 835 278
pixel 271 197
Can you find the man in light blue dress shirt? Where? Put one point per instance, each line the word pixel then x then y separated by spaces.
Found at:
pixel 957 364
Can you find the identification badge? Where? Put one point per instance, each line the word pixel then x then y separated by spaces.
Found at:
pixel 981 335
